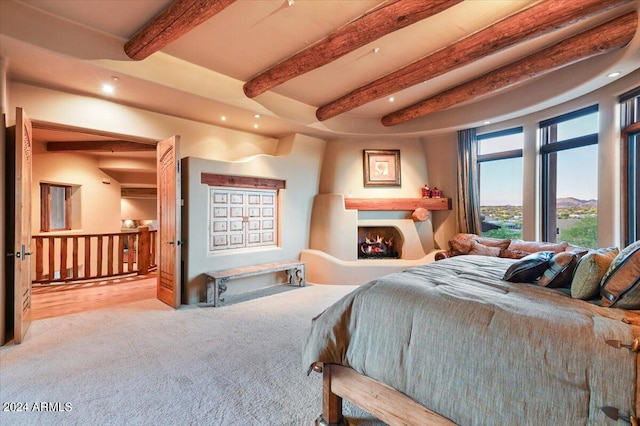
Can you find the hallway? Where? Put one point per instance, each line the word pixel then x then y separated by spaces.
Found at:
pixel 59 300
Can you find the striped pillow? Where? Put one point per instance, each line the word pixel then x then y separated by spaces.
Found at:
pixel 529 268
pixel 560 270
pixel 621 282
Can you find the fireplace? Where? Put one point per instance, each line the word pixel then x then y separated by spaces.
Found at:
pixel 379 242
pixel 333 256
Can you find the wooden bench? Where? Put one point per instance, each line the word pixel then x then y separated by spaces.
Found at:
pixel 217 280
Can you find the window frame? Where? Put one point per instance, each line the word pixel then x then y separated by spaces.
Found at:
pixel 632 186
pixel 549 146
pixel 46 207
pixel 630 161
pixel 497 156
pixel 502 155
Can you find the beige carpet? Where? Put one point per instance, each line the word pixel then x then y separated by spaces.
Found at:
pixel 146 364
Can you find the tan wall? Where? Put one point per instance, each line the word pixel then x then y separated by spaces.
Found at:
pixel 97 114
pixel 297 160
pixel 100 203
pixel 441 152
pixel 138 208
pixel 342 169
pixel 430 161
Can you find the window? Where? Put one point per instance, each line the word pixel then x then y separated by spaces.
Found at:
pixel 633 187
pixel 630 123
pixel 570 177
pixel 55 207
pixel 500 175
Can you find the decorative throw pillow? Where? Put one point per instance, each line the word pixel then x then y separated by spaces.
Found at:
pixel 490 242
pixel 481 249
pixel 518 249
pixel 621 283
pixel 513 254
pixel 461 244
pixel 560 270
pixel 579 252
pixel 560 247
pixel 588 275
pixel 529 268
pixel 536 246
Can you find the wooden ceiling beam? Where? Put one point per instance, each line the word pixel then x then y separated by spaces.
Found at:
pixel 534 21
pixel 138 192
pixel 100 146
pixel 172 23
pixel 392 15
pixel 604 38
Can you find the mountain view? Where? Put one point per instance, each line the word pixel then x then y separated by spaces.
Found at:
pixel 574 202
pixel 576 221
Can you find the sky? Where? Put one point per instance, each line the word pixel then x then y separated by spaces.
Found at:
pixel 501 181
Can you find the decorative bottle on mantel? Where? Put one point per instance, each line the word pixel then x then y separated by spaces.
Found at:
pixel 426 192
pixel 436 193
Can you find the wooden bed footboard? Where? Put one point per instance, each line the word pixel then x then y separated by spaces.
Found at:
pixel 380 400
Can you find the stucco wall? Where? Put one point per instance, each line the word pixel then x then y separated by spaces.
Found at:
pixel 138 208
pixel 297 160
pixel 441 152
pixel 100 202
pixel 100 114
pixel 342 170
pixel 430 161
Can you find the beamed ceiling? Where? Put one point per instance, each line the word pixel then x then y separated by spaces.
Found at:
pixel 326 68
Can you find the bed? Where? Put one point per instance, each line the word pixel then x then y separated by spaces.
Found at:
pixel 451 342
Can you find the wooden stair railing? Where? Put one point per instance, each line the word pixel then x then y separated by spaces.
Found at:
pixel 63 258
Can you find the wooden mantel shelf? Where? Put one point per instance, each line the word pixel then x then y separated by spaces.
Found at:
pixel 397 203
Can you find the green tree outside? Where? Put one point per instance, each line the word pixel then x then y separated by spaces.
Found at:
pixel 502 233
pixel 584 233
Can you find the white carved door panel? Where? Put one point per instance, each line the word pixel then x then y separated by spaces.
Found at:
pixel 241 218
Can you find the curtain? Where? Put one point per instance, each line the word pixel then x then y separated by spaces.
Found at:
pixel 468 202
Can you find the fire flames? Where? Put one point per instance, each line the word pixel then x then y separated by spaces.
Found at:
pixel 376 245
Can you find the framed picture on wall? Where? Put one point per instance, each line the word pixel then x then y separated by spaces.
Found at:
pixel 381 167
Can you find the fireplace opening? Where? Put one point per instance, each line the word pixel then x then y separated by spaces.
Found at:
pixel 379 242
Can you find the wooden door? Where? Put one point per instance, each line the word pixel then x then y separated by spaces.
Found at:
pixel 18 190
pixel 169 201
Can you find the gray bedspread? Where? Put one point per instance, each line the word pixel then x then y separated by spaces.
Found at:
pixel 478 350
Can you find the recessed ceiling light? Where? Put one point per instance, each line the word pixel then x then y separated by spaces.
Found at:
pixel 376 50
pixel 108 88
pixel 487 122
pixel 290 2
pixel 256 115
pixel 255 126
pixel 223 118
pixel 613 74
pixel 391 99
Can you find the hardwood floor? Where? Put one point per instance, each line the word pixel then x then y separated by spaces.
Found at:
pixel 58 300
